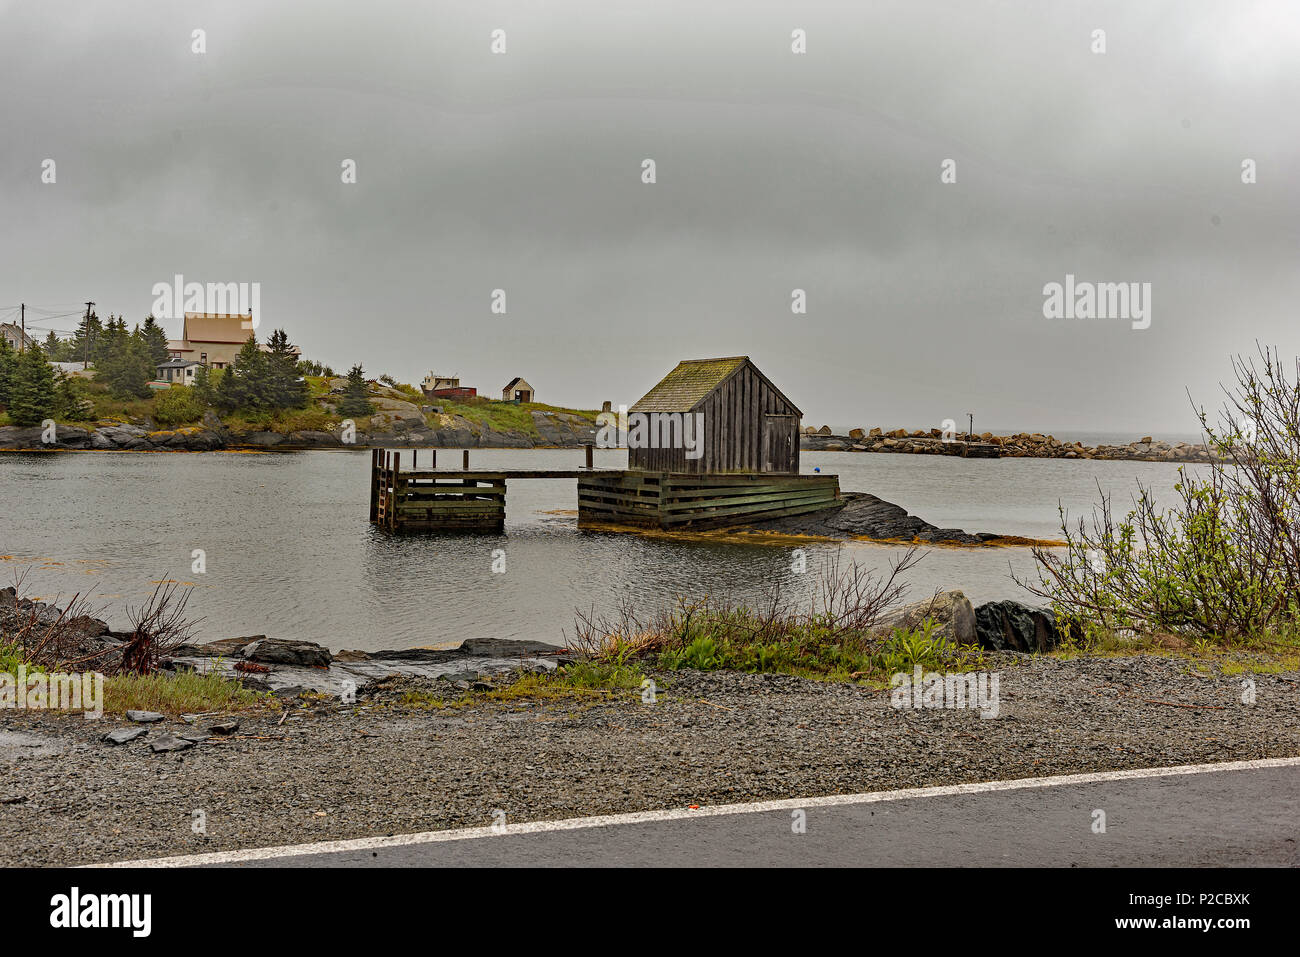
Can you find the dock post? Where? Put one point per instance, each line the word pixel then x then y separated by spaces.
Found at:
pixel 433 458
pixel 392 511
pixel 590 453
pixel 374 484
pixel 467 458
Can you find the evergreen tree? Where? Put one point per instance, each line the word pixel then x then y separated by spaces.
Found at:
pixel 243 386
pixel 284 388
pixel 109 346
pixel 203 390
pixel 354 400
pixel 155 339
pixel 8 367
pixel 71 399
pixel 32 393
pixel 83 344
pixel 53 348
pixel 124 363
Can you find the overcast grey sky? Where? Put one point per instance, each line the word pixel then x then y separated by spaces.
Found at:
pixel 776 171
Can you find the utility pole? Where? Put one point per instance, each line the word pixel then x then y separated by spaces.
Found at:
pixel 22 343
pixel 970 429
pixel 85 359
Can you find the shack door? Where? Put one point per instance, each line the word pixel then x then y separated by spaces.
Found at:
pixel 780 443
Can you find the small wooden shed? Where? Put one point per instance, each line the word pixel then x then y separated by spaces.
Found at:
pixel 517 390
pixel 749 425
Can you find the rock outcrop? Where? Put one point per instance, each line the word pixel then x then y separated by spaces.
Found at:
pixel 864 515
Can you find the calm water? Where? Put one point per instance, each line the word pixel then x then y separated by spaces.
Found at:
pixel 289 551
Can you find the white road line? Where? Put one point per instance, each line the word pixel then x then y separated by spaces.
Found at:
pixel 681 814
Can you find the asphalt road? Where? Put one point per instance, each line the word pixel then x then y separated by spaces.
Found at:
pixel 1241 817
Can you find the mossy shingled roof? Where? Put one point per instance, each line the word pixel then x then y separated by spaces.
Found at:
pixel 687 385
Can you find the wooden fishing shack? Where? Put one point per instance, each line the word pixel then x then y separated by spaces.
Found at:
pixel 713 444
pixel 744 465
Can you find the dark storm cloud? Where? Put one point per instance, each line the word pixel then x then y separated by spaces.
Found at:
pixel 775 172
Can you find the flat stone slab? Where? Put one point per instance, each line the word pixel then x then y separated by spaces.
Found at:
pixel 144 717
pixel 123 735
pixel 169 742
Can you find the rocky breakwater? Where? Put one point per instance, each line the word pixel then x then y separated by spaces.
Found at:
pixel 1019 445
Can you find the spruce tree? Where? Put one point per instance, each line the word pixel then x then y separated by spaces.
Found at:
pixel 203 390
pixel 8 367
pixel 354 400
pixel 53 348
pixel 32 393
pixel 155 339
pixel 284 387
pixel 124 363
pixel 84 343
pixel 244 384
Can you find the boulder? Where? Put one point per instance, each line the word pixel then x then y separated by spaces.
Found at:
pixel 875 433
pixel 824 430
pixel 1011 626
pixel 284 651
pixel 856 434
pixel 951 611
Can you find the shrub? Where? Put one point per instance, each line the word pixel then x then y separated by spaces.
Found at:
pixel 176 406
pixel 1222 564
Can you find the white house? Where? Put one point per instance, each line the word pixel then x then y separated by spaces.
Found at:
pixel 179 371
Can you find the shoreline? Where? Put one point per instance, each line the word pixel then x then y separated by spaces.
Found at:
pixel 387 764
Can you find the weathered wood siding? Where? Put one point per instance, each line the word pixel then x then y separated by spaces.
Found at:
pixel 734 415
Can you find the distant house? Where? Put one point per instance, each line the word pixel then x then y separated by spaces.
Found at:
pixel 178 371
pixel 517 390
pixel 437 386
pixel 214 339
pixel 14 335
pixel 749 425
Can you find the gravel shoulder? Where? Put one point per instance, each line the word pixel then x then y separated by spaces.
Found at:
pixel 378 767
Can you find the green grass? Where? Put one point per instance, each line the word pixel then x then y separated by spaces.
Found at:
pixel 283 421
pixel 184 692
pixel 710 638
pixel 504 416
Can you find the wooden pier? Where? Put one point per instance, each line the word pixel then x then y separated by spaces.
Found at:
pixel 462 500
pixel 739 463
pixel 686 500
